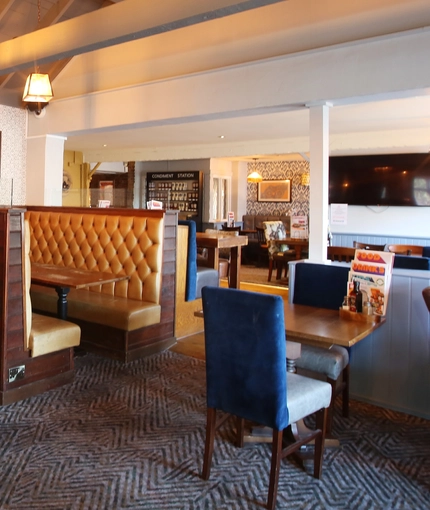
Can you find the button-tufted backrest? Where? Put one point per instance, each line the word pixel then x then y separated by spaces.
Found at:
pixel 113 243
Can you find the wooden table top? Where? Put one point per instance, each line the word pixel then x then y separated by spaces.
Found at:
pixel 51 275
pixel 322 327
pixel 220 240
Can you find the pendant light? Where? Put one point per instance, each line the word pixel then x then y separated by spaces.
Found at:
pixel 254 176
pixel 38 89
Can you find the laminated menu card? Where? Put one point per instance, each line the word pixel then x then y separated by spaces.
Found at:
pixel 299 227
pixel 373 270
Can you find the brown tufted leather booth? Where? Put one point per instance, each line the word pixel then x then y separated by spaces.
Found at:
pixel 44 334
pixel 117 241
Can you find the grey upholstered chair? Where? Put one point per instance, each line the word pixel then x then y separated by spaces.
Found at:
pixel 324 286
pixel 246 376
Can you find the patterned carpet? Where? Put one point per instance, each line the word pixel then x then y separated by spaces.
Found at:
pixel 131 437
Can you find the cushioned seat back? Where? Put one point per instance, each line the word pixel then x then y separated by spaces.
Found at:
pixel 103 242
pixel 245 355
pixel 320 285
pixel 275 230
pixel 191 273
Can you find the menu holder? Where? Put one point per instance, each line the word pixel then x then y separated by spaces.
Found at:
pixel 361 317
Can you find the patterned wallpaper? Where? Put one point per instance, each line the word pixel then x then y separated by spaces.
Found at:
pixel 278 170
pixel 13 154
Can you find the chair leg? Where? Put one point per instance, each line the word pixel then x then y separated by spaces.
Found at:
pixel 209 444
pixel 331 407
pixel 240 430
pixel 321 423
pixel 345 392
pixel 270 270
pixel 274 469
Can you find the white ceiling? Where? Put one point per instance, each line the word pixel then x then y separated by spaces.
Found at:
pixel 283 28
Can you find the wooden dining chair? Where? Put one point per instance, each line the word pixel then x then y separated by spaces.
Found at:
pixel 405 249
pixel 263 253
pixel 368 246
pixel 340 253
pixel 246 377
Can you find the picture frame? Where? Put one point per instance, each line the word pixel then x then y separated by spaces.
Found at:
pixel 274 191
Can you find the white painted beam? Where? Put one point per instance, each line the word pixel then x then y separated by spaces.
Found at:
pixel 119 23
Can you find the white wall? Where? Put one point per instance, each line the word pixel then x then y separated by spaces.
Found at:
pixel 387 221
pixel 13 155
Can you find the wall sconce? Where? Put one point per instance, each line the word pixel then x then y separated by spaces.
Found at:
pixel 254 177
pixel 37 92
pixel 305 179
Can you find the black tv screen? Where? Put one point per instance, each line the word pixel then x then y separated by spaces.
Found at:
pixel 390 179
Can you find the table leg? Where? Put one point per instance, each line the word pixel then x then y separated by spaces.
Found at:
pixel 62 302
pixel 234 271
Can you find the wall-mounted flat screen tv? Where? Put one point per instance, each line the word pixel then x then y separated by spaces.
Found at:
pixel 390 179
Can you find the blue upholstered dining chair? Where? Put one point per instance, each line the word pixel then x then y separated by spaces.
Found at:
pixel 246 375
pixel 324 286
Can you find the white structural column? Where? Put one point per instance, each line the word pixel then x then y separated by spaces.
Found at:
pixel 319 154
pixel 45 160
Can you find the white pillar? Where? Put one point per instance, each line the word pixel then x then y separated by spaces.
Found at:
pixel 318 207
pixel 45 156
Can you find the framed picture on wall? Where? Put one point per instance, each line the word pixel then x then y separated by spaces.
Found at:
pixel 274 191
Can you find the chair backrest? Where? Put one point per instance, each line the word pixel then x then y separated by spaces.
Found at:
pixel 260 235
pixel 230 229
pixel 191 275
pixel 274 230
pixel 246 355
pixel 340 253
pixel 405 249
pixel 320 285
pixel 426 296
pixel 367 246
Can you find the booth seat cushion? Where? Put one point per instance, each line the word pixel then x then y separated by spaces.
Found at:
pixel 329 362
pixel 298 407
pixel 49 334
pixel 411 262
pixel 121 313
pixel 252 221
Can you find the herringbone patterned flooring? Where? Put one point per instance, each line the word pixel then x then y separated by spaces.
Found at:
pixel 131 437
